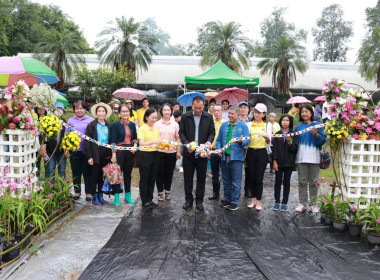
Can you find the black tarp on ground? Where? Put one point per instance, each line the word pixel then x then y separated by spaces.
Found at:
pixel 169 243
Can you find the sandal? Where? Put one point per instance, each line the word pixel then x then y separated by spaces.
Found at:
pixel 167 196
pixel 161 197
pixel 76 196
pixel 88 197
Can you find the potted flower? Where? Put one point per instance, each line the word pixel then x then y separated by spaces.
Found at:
pixel 327 208
pixel 373 225
pixel 339 213
pixel 356 217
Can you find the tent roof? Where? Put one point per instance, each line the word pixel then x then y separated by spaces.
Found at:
pixel 219 75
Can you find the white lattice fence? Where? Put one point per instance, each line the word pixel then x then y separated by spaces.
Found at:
pixel 360 162
pixel 18 150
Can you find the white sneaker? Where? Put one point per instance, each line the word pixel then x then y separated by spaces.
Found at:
pixel 314 208
pixel 181 169
pixel 300 208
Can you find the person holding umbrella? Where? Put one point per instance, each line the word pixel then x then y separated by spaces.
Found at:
pixel 318 110
pixel 132 113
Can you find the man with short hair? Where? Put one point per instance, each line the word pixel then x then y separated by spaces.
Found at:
pixel 198 126
pixel 214 158
pixel 232 157
pixel 226 105
pixel 176 106
pixel 141 112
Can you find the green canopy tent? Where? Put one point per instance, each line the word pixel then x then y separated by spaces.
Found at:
pixel 220 76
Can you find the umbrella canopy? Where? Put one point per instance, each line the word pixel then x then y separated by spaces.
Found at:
pixel 129 93
pixel 211 94
pixel 62 99
pixel 32 71
pixel 298 99
pixel 186 99
pixel 233 95
pixel 58 92
pixel 320 98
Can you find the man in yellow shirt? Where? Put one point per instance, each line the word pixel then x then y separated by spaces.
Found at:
pixel 214 158
pixel 141 112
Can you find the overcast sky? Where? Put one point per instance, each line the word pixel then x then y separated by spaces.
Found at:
pixel 180 19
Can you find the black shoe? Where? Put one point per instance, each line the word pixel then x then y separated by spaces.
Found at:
pixel 188 206
pixel 153 205
pixel 147 205
pixel 214 196
pixel 224 203
pixel 200 206
pixel 232 207
pixel 76 197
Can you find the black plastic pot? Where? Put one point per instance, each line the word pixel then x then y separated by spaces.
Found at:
pixel 323 216
pixel 354 230
pixel 339 226
pixel 373 238
pixel 20 237
pixel 328 220
pixel 12 254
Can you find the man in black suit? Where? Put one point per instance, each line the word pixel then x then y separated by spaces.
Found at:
pixel 196 125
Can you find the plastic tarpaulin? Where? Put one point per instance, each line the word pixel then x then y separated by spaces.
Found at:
pixel 219 75
pixel 170 243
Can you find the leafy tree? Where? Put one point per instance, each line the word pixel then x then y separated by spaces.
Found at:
pixel 162 46
pixel 283 58
pixel 275 26
pixel 85 80
pixel 224 42
pixel 373 16
pixel 5 24
pixel 62 52
pixel 332 34
pixel 127 43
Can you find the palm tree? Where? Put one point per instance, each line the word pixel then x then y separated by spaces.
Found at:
pixel 226 43
pixel 369 57
pixel 62 52
pixel 281 59
pixel 126 43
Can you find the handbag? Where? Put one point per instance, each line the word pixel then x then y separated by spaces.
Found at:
pixel 113 173
pixel 325 160
pixel 107 187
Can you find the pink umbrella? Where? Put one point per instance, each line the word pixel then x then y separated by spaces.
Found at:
pixel 320 98
pixel 129 93
pixel 233 95
pixel 298 99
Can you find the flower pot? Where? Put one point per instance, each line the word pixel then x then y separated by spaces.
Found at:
pixel 354 230
pixel 12 254
pixel 373 237
pixel 20 237
pixel 339 226
pixel 328 220
pixel 323 216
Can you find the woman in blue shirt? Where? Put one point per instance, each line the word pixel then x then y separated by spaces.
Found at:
pixel 97 155
pixel 308 158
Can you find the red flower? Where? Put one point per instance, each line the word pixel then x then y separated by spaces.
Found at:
pixel 11 126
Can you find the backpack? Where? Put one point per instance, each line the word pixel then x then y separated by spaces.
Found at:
pixel 325 160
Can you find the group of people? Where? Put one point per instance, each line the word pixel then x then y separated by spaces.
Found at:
pixel 156 162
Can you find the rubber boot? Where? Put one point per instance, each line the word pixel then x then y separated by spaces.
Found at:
pixel 101 199
pixel 128 198
pixel 117 200
pixel 95 200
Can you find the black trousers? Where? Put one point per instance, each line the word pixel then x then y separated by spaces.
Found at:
pixel 124 160
pixel 190 164
pixel 282 178
pixel 165 171
pixel 97 178
pixel 79 168
pixel 257 162
pixel 148 167
pixel 247 186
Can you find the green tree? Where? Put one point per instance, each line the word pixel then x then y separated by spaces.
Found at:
pixel 224 42
pixel 62 52
pixel 332 34
pixel 162 46
pixel 369 57
pixel 5 25
pixel 373 16
pixel 127 43
pixel 85 80
pixel 283 58
pixel 275 26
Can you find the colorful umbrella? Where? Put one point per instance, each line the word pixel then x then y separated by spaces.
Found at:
pixel 233 95
pixel 298 99
pixel 129 93
pixel 186 99
pixel 62 99
pixel 32 71
pixel 211 94
pixel 320 98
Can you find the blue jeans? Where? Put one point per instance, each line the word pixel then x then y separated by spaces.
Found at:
pixel 53 161
pixel 215 166
pixel 232 173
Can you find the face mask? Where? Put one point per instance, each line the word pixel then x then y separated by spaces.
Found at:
pixel 58 113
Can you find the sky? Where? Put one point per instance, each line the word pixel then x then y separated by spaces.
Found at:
pixel 180 19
